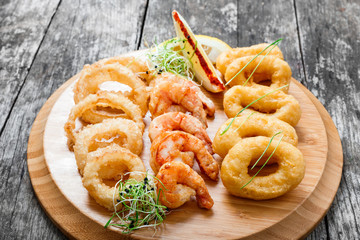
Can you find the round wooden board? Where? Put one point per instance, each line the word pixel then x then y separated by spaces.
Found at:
pixel 293 215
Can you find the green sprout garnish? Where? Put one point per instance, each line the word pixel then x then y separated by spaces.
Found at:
pixel 228 126
pixel 245 121
pixel 165 58
pixel 266 159
pixel 274 44
pixel 139 205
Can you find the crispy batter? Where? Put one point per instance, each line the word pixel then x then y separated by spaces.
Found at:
pixel 123 132
pixel 179 183
pixel 171 90
pixel 178 145
pixel 277 104
pixel 234 169
pixel 111 159
pixel 271 68
pixel 103 99
pixel 92 76
pixel 225 58
pixel 179 121
pixel 137 65
pixel 256 125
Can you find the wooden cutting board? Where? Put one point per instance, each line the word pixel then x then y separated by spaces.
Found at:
pixel 58 185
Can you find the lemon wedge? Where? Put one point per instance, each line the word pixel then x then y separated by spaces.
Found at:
pixel 203 67
pixel 212 46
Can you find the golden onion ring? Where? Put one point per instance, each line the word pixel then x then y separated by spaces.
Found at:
pixel 234 169
pixel 123 132
pixel 103 99
pixel 111 159
pixel 277 104
pixel 271 68
pixel 256 125
pixel 225 58
pixel 137 65
pixel 92 76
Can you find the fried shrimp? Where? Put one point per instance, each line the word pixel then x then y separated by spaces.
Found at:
pixel 225 58
pixel 235 172
pixel 92 76
pixel 123 132
pixel 103 99
pixel 170 146
pixel 170 89
pixel 179 121
pixel 179 183
pixel 108 163
pixel 256 125
pixel 271 68
pixel 277 104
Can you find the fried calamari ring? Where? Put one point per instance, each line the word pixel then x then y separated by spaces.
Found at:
pixel 178 145
pixel 225 58
pixel 179 121
pixel 271 68
pixel 256 125
pixel 123 132
pixel 277 104
pixel 111 159
pixel 91 77
pixel 179 183
pixel 102 99
pixel 137 65
pixel 234 169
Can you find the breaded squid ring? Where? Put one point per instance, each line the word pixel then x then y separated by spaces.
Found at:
pixel 277 104
pixel 179 121
pixel 178 183
pixel 103 99
pixel 234 169
pixel 91 77
pixel 88 140
pixel 173 145
pixel 112 159
pixel 137 65
pixel 256 125
pixel 225 58
pixel 271 68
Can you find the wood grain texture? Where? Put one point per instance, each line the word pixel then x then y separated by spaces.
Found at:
pixel 79 33
pixel 213 18
pixel 329 37
pixel 330 41
pixel 23 27
pixel 51 199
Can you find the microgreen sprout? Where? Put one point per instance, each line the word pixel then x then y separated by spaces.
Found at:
pixel 274 44
pixel 137 205
pixel 228 126
pixel 166 58
pixel 267 160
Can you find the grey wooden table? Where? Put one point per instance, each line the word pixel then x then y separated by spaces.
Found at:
pixel 44 43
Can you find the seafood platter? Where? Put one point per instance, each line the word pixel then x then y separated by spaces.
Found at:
pixel 189 138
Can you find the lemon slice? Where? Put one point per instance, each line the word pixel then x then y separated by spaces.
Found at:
pixel 203 68
pixel 213 47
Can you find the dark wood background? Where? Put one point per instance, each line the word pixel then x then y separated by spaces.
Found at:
pixel 44 43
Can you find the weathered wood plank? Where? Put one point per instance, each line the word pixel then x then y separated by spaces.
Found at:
pixel 23 26
pixel 330 40
pixel 215 18
pixel 81 32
